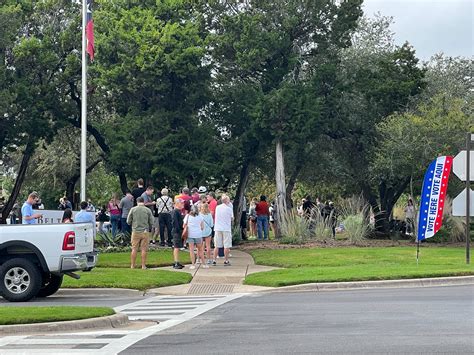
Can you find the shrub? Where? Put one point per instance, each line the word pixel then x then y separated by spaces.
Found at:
pixel 321 229
pixel 236 235
pixel 296 229
pixel 356 227
pixel 105 239
pixel 355 214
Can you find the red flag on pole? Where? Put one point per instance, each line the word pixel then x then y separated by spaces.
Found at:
pixel 90 31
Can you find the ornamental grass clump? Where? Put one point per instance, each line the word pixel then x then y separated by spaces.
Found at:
pixel 355 213
pixel 320 227
pixel 296 229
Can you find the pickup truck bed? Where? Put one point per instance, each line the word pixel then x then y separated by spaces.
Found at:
pixel 34 258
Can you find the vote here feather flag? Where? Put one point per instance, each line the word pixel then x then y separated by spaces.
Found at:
pixel 433 196
pixel 90 30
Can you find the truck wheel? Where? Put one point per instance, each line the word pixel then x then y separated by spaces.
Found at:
pixel 53 283
pixel 20 280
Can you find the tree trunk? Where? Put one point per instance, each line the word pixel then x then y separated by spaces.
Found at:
pixel 27 154
pixel 123 182
pixel 281 188
pixel 293 177
pixel 240 193
pixel 388 197
pixel 71 183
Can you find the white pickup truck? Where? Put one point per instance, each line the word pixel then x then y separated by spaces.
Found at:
pixel 34 258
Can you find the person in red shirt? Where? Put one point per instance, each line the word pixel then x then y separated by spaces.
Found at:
pixel 211 200
pixel 187 199
pixel 263 213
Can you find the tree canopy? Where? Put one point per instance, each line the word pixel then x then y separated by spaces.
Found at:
pixel 223 93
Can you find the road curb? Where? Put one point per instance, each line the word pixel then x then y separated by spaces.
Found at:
pixel 332 286
pixel 114 321
pixel 98 292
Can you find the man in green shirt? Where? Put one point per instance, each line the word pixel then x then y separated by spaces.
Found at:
pixel 141 219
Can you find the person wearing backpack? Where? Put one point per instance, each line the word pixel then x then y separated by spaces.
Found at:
pixel 164 206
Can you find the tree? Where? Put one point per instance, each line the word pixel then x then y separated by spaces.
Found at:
pixel 274 49
pixel 151 80
pixel 380 80
pixel 60 162
pixel 434 125
pixel 33 69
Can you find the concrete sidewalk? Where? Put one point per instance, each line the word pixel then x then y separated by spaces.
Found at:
pixel 218 279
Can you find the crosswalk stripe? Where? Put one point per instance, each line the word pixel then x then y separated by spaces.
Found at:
pixel 167 310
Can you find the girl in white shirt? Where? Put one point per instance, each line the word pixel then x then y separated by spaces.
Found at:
pixel 205 213
pixel 194 224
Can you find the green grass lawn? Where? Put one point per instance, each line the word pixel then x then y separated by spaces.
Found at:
pixel 155 258
pixel 350 264
pixel 28 315
pixel 127 278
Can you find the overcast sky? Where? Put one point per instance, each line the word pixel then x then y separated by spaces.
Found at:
pixel 431 26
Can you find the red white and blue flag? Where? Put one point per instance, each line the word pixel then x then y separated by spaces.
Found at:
pixel 434 189
pixel 90 30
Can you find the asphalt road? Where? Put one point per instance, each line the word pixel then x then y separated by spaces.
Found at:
pixel 78 297
pixel 379 321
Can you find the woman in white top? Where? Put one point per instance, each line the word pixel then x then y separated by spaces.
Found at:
pixel 205 213
pixel 193 222
pixel 410 217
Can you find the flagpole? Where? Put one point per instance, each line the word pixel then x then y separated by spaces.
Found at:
pixel 84 103
pixel 417 250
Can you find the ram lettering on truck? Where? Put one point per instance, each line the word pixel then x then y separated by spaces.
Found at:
pixel 34 258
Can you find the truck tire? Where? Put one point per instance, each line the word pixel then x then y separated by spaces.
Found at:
pixel 53 283
pixel 20 280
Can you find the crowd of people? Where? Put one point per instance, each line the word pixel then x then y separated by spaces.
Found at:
pixel 192 217
pixel 318 210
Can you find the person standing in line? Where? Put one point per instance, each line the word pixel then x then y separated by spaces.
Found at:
pixel 223 229
pixel 243 219
pixel 329 215
pixel 138 191
pixel 15 214
pixel 211 200
pixel 332 218
pixel 148 198
pixel 187 200
pixel 309 207
pixel 156 224
pixel 263 214
pixel 164 205
pixel 253 218
pixel 67 216
pixel 102 217
pixel 90 206
pixel 38 205
pixel 83 216
pixel 207 231
pixel 62 204
pixel 28 217
pixel 194 225
pixel 141 220
pixel 125 205
pixel 271 220
pixel 202 199
pixel 410 216
pixel 194 195
pixel 115 214
pixel 177 219
pixel 67 203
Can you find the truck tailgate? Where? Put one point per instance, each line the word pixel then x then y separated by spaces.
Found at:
pixel 84 237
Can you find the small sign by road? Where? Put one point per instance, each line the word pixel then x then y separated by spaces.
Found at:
pixel 459 165
pixel 459 204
